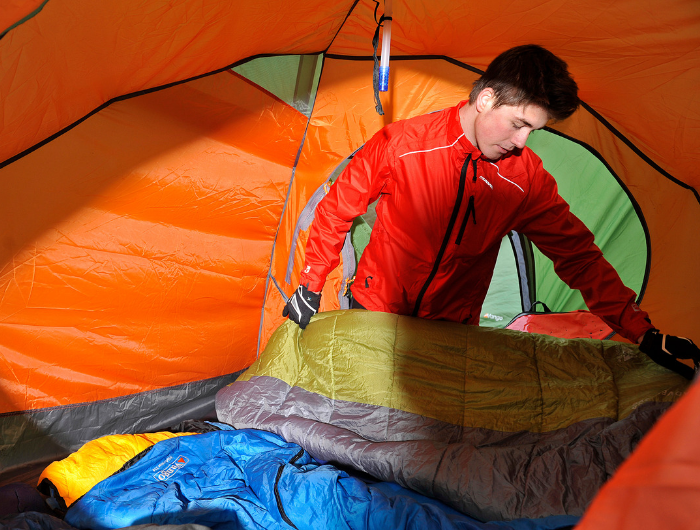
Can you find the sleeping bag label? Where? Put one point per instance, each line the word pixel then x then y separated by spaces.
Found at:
pixel 171 469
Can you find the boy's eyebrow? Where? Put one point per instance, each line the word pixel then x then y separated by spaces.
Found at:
pixel 528 124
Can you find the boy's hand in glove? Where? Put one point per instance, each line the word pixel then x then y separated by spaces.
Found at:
pixel 667 349
pixel 302 305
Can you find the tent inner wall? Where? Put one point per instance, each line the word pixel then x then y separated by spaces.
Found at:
pixel 135 258
pixel 292 78
pixel 632 68
pixel 671 213
pixel 150 226
pixel 69 60
pixel 32 439
pixel 596 198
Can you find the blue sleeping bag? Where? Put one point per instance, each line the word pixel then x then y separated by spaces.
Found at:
pixel 250 479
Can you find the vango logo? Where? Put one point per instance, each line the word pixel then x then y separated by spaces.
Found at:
pixel 169 471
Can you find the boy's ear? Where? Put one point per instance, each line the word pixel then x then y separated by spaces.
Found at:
pixel 485 99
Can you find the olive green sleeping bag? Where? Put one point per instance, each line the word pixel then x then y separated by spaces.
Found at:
pixel 498 424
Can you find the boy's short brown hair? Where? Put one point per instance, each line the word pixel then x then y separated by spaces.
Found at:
pixel 530 74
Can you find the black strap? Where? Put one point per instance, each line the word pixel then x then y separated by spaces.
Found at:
pixel 544 307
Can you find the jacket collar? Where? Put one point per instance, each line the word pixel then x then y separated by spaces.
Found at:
pixel 456 131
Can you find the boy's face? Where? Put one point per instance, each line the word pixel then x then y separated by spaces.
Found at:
pixel 499 130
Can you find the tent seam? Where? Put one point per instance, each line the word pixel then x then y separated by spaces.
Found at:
pixel 24 19
pixel 340 28
pixel 137 93
pixel 638 151
pixel 279 224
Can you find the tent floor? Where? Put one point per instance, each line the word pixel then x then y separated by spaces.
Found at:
pixel 28 474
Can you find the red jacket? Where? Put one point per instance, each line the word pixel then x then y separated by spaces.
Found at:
pixel 442 214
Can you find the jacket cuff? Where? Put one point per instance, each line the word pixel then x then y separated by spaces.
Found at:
pixel 636 329
pixel 311 283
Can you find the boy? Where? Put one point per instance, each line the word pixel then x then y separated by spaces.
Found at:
pixel 451 185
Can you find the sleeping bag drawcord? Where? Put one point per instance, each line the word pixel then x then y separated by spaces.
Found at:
pixel 278 497
pixel 375 73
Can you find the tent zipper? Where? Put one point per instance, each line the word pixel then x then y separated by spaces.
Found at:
pixel 448 233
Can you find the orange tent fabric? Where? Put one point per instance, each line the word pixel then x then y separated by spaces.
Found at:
pixel 149 197
pixel 71 59
pixel 618 52
pixel 15 12
pixel 127 237
pixel 658 486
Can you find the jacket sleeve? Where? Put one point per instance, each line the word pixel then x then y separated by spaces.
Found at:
pixel 563 238
pixel 360 184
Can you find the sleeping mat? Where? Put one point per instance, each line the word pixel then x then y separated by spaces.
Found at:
pixel 497 424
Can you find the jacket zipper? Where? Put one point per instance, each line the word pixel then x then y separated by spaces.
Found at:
pixel 448 233
pixel 471 210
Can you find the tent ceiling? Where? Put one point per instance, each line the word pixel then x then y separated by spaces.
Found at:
pixel 635 61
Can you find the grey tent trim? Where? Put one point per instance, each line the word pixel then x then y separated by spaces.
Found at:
pixel 54 432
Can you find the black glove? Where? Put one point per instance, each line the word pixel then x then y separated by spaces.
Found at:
pixel 667 349
pixel 302 305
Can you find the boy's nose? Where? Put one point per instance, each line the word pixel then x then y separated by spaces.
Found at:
pixel 520 138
